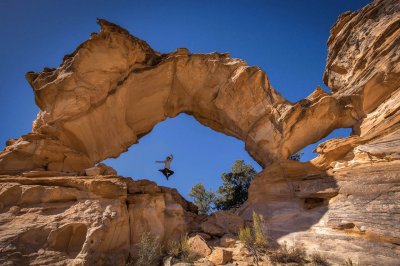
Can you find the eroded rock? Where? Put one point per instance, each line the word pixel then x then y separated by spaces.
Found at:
pixel 81 220
pixel 344 203
pixel 220 256
pixel 222 222
pixel 100 169
pixel 115 88
pixel 198 247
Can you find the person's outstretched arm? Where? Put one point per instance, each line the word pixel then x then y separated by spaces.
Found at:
pixel 160 161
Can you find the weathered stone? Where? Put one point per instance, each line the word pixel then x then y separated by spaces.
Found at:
pixel 363 53
pixel 344 203
pixel 89 220
pixel 158 214
pixel 227 241
pixel 204 262
pixel 59 220
pixel 129 88
pixel 100 169
pixel 220 256
pixel 198 247
pixel 93 171
pixel 222 222
pixel 202 235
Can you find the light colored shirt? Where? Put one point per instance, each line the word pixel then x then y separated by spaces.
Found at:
pixel 167 163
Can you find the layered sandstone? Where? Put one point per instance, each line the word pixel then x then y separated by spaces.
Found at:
pixel 345 203
pixel 114 88
pixel 84 220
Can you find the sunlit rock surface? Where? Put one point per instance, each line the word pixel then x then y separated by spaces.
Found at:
pixel 84 220
pixel 345 203
pixel 115 88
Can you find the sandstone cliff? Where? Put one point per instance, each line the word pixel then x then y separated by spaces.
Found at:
pixel 84 220
pixel 344 203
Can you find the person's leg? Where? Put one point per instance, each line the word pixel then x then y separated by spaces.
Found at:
pixel 170 172
pixel 164 171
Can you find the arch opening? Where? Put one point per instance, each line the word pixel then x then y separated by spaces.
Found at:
pixel 201 155
pixel 310 150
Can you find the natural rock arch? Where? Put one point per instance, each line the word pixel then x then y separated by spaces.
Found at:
pixel 342 204
pixel 114 88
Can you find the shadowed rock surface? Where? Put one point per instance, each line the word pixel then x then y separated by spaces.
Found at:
pixel 115 88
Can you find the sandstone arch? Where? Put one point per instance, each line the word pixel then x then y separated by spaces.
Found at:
pixel 342 204
pixel 114 88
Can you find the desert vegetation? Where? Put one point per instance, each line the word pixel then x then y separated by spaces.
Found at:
pixel 232 194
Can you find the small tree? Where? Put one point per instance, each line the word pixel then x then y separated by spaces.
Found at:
pixel 233 192
pixel 296 156
pixel 254 237
pixel 203 199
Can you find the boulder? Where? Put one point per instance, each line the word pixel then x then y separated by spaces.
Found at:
pixel 220 256
pixel 228 240
pixel 100 169
pixel 198 247
pixel 93 171
pixel 222 222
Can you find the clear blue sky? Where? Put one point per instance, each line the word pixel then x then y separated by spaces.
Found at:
pixel 287 39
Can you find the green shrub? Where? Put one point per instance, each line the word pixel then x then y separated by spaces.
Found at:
pixel 254 238
pixel 149 250
pixel 245 235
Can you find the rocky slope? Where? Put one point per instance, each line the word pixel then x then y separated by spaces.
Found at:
pixel 344 203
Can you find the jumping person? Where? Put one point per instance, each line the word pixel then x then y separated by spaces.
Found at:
pixel 167 172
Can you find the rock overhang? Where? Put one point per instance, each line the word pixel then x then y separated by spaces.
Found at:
pixel 114 88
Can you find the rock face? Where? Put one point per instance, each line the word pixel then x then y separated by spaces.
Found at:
pixel 84 220
pixel 345 203
pixel 363 54
pixel 221 223
pixel 115 88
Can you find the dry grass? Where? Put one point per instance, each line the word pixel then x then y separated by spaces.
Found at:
pixel 285 254
pixel 349 262
pixel 149 250
pixel 318 260
pixel 179 249
pixel 172 248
